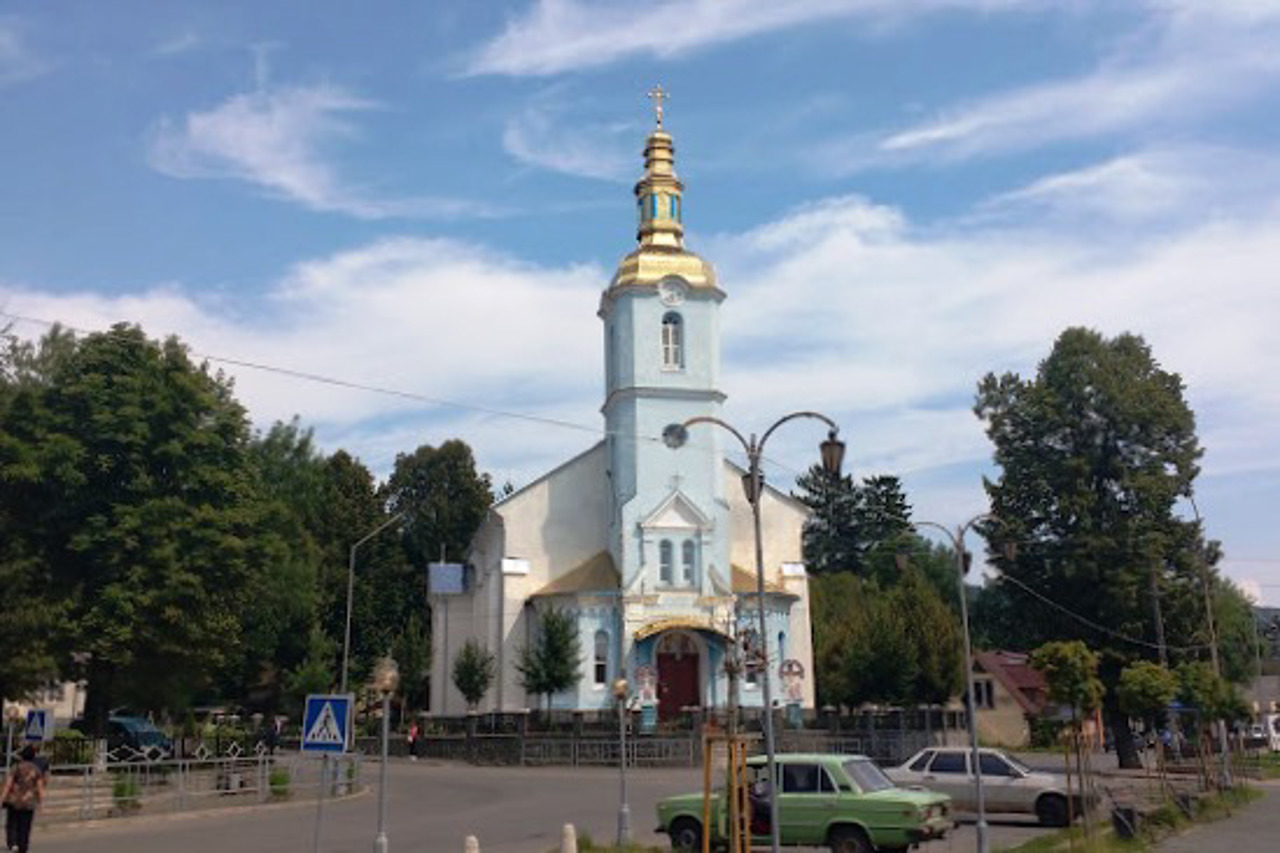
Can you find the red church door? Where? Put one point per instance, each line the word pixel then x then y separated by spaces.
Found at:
pixel 677 676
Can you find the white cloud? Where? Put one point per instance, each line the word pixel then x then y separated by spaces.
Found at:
pixel 545 134
pixel 555 36
pixel 1170 183
pixel 280 139
pixel 1198 61
pixel 17 61
pixel 843 306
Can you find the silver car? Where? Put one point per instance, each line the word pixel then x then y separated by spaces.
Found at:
pixel 1008 785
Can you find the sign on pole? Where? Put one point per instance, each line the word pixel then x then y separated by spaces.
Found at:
pixel 39 725
pixel 326 724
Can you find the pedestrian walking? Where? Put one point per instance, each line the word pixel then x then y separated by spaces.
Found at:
pixel 413 741
pixel 23 793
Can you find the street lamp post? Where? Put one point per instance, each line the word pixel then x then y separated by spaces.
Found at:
pixel 351 580
pixel 624 811
pixel 832 451
pixel 386 677
pixel 957 542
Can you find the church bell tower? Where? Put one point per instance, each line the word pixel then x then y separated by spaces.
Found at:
pixel 669 530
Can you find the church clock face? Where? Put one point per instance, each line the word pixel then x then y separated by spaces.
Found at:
pixel 672 291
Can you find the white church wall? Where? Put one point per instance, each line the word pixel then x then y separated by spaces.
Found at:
pixel 559 522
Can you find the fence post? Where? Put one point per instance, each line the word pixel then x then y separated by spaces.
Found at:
pixel 86 793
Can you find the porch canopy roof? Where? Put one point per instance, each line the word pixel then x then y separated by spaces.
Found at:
pixel 678 623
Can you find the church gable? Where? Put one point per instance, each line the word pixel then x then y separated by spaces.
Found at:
pixel 677 512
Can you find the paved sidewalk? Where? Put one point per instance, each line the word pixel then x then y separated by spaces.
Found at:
pixel 1253 829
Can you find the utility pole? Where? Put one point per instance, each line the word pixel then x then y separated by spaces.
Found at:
pixel 1161 647
pixel 1203 565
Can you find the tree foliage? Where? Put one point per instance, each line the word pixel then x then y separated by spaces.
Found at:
pixel 850 522
pixel 552 663
pixel 474 669
pixel 1070 671
pixel 899 645
pixel 1145 691
pixel 1093 453
pixel 126 477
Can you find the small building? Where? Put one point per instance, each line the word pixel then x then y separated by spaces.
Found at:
pixel 1007 692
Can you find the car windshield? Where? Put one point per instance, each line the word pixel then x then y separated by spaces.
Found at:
pixel 1017 765
pixel 868 777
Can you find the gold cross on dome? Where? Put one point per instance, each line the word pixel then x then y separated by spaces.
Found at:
pixel 658 94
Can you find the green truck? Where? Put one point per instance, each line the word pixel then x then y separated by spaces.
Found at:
pixel 844 802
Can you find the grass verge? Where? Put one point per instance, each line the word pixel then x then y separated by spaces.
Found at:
pixel 586 845
pixel 1158 824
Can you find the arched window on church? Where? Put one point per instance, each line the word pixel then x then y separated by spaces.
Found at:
pixel 687 562
pixel 672 342
pixel 666 562
pixel 601 669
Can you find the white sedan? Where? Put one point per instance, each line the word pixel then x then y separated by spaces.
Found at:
pixel 1008 785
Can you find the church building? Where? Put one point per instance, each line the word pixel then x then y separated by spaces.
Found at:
pixel 649 549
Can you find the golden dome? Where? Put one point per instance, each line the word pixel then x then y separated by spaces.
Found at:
pixel 659 201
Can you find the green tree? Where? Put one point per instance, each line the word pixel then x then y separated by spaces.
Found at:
pixel 552 663
pixel 474 669
pixel 849 522
pixel 444 497
pixel 386 589
pixel 314 674
pixel 282 600
pixel 125 475
pixel 1093 453
pixel 830 539
pixel 413 653
pixel 934 634
pixel 1145 691
pixel 1070 671
pixel 30 614
pixel 900 645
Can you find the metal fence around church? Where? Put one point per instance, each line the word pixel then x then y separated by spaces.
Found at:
pixel 888 736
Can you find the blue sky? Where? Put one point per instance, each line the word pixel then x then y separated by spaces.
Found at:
pixel 899 196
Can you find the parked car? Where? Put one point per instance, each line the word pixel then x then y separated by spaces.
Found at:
pixel 844 802
pixel 136 733
pixel 1008 785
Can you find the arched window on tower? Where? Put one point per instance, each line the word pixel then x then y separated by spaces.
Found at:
pixel 687 563
pixel 601 669
pixel 672 342
pixel 666 562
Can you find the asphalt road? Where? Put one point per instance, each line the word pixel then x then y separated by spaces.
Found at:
pixel 432 807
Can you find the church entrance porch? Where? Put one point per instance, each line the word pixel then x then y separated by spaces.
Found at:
pixel 679 674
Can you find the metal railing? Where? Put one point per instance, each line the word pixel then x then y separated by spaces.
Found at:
pixel 126 781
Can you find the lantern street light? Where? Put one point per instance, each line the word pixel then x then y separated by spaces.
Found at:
pixel 624 811
pixel 832 452
pixel 386 677
pixel 963 559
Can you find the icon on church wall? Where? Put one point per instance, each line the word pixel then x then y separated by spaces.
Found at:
pixel 648 682
pixel 792 674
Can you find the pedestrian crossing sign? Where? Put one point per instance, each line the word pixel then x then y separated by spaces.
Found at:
pixel 39 725
pixel 326 724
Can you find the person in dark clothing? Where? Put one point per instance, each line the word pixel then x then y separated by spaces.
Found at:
pixel 23 793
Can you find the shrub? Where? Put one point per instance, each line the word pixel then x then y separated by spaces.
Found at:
pixel 125 792
pixel 279 782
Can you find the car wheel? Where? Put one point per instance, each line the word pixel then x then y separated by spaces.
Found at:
pixel 686 835
pixel 1051 809
pixel 849 839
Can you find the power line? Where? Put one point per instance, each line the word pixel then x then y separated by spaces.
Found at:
pixel 1094 625
pixel 309 376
